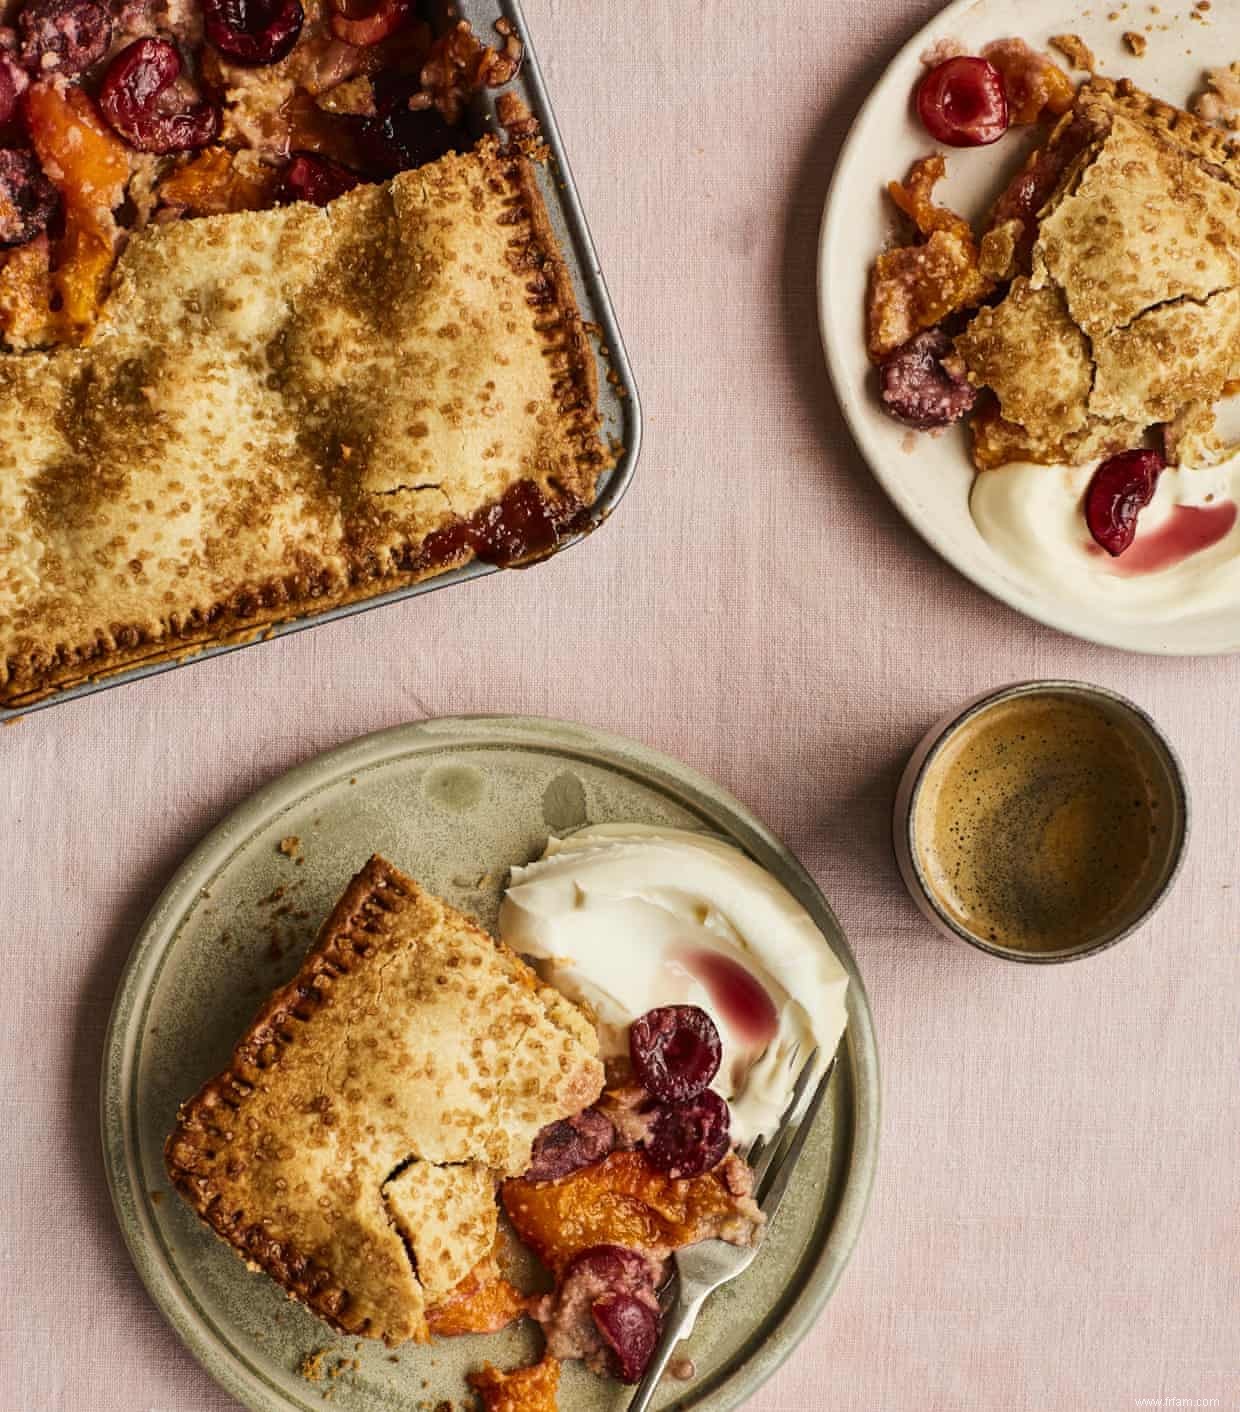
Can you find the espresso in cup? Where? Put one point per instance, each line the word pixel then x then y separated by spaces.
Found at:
pixel 1045 821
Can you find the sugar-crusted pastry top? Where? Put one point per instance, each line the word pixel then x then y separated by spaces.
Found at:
pixel 288 409
pixel 408 1033
pixel 1131 314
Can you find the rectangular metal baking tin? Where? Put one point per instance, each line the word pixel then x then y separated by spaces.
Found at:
pixel 618 402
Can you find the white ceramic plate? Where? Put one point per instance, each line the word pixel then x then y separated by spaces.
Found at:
pixel 928 477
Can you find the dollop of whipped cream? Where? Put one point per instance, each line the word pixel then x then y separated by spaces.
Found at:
pixel 1185 558
pixel 622 918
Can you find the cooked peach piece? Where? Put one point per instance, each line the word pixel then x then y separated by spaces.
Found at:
pixel 915 287
pixel 483 1303
pixel 89 165
pixel 621 1200
pixel 218 182
pixel 523 1390
pixel 83 158
pixel 1035 86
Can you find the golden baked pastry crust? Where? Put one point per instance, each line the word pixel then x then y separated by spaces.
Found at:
pixel 286 410
pixel 447 1217
pixel 1132 311
pixel 407 1033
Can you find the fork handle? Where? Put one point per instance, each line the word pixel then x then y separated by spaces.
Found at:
pixel 678 1324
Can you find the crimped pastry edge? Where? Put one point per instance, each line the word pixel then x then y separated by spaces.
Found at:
pixel 340 946
pixel 29 677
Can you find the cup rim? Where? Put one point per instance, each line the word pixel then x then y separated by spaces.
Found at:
pixel 1050 685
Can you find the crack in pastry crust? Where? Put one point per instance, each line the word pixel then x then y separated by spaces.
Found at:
pixel 289 410
pixel 446 1216
pixel 392 1039
pixel 1132 311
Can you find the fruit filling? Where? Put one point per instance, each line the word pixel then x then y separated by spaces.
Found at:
pixel 605 1311
pixel 675 1051
pixel 610 1194
pixel 118 115
pixel 962 102
pixel 1120 489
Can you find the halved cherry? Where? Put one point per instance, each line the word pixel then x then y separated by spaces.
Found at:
pixel 1121 488
pixel 383 19
pixel 63 36
pixel 687 1139
pixel 572 1143
pixel 630 1329
pixel 675 1051
pixel 253 31
pixel 140 97
pixel 920 385
pixel 962 102
pixel 309 177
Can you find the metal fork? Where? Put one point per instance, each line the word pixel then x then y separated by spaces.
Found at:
pixel 702 1268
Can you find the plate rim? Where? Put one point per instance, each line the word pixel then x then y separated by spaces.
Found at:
pixel 1030 603
pixel 261 807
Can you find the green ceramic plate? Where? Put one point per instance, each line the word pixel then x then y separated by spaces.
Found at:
pixel 455 803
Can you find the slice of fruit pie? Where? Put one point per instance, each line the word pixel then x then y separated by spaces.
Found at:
pixel 277 336
pixel 1098 314
pixel 414 1069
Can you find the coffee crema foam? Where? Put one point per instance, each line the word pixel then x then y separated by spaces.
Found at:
pixel 1037 824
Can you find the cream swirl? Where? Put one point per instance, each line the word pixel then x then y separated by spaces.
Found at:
pixel 624 917
pixel 1185 559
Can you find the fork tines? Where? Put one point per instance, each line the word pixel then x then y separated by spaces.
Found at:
pixel 773 1162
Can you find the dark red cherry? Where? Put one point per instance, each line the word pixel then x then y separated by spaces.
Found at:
pixel 962 103
pixel 687 1139
pixel 140 99
pixel 675 1051
pixel 309 177
pixel 27 198
pixel 362 30
pixel 1121 488
pixel 63 36
pixel 630 1329
pixel 253 31
pixel 917 386
pixel 13 83
pixel 398 138
pixel 569 1145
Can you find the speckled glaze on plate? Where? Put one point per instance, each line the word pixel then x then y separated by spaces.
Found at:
pixel 454 802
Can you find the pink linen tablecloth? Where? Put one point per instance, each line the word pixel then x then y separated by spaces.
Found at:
pixel 1056 1221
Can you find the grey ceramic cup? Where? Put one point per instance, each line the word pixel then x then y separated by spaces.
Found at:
pixel 1166 778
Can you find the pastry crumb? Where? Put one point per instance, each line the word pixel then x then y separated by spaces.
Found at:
pixel 319 1365
pixel 942 50
pixel 1135 43
pixel 291 846
pixel 311 1367
pixel 1075 50
pixel 1221 102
